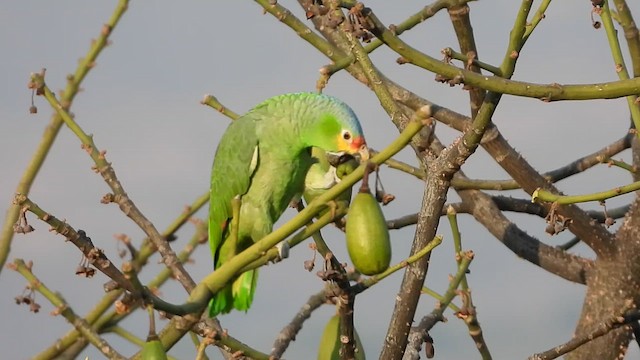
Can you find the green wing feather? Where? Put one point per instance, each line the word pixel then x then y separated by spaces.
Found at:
pixel 233 167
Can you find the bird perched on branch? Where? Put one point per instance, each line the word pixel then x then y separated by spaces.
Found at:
pixel 261 163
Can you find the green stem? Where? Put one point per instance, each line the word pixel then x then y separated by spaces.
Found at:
pixel 537 17
pixel 125 334
pixel 375 82
pixel 424 14
pixel 620 67
pixel 450 53
pixel 450 294
pixel 96 317
pixel 372 280
pixel 302 235
pixel 541 195
pixel 457 242
pixel 201 346
pixel 119 195
pixel 440 298
pixel 631 33
pixel 213 102
pixel 65 310
pixel 52 130
pixel 552 92
pixel 621 164
pixel 468 310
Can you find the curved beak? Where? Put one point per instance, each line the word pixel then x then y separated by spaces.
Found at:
pixel 363 151
pixel 359 145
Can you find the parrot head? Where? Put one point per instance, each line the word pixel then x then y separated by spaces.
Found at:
pixel 336 128
pixel 352 144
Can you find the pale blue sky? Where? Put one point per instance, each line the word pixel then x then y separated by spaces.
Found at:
pixel 142 104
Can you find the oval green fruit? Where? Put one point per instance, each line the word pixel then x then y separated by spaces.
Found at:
pixel 330 342
pixel 367 235
pixel 153 349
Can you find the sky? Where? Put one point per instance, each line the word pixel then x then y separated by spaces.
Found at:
pixel 141 103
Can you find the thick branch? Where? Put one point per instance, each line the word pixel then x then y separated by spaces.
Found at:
pixel 552 259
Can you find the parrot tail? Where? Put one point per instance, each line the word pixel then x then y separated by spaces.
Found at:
pixel 244 287
pixel 239 295
pixel 222 302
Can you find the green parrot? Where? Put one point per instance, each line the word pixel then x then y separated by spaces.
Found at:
pixel 262 159
pixel 326 171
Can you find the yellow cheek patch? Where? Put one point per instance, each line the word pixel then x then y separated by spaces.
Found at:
pixel 343 145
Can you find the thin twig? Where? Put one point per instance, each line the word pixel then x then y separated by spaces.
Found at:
pixel 52 130
pixel 419 334
pixel 98 259
pixel 468 311
pixel 119 196
pixel 289 332
pixel 602 329
pixel 96 316
pixel 65 310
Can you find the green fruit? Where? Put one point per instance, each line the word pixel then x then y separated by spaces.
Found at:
pixel 153 349
pixel 330 342
pixel 367 235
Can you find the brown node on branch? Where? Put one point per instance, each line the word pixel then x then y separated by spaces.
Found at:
pixel 402 60
pixel 106 30
pixel 28 297
pixel 471 57
pixel 357 23
pixel 22 225
pixel 125 304
pixel 443 79
pixel 58 310
pixel 556 223
pixel 597 9
pixel 316 8
pixel 382 196
pixel 310 264
pixel 608 220
pixel 84 267
pixel 107 198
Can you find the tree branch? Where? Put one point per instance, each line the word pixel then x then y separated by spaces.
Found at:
pixel 289 332
pixel 119 196
pixel 51 131
pixel 419 334
pixel 65 310
pixel 603 328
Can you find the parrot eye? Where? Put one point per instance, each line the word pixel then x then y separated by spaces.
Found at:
pixel 346 135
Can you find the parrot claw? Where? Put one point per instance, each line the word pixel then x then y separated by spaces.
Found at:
pixel 283 250
pixel 333 208
pixel 296 202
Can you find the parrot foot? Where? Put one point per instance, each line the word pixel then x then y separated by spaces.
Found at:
pixel 283 250
pixel 333 208
pixel 296 202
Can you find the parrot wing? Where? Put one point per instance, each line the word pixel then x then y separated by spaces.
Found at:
pixel 235 162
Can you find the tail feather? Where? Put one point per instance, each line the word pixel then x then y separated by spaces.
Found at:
pixel 222 302
pixel 244 287
pixel 238 295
